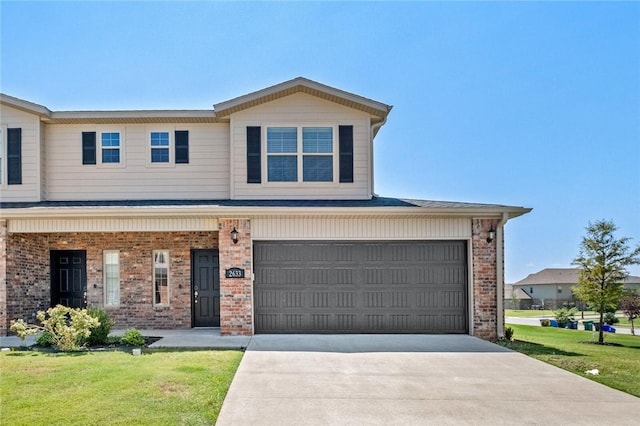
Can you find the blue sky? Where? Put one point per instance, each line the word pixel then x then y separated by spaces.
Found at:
pixel 533 104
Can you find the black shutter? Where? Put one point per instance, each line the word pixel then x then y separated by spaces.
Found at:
pixel 345 135
pixel 182 146
pixel 88 147
pixel 14 156
pixel 254 171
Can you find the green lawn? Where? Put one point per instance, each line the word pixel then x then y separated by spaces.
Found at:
pixel 573 350
pixel 90 388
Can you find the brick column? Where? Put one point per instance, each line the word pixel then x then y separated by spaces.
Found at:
pixel 485 302
pixel 236 296
pixel 4 326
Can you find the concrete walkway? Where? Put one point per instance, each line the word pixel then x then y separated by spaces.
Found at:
pixel 410 380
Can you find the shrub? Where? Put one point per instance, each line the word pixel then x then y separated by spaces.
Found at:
pixel 68 328
pixel 508 333
pixel 45 340
pixel 565 316
pixel 610 318
pixel 100 333
pixel 545 322
pixel 132 338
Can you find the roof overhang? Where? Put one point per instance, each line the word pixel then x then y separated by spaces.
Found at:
pixel 377 110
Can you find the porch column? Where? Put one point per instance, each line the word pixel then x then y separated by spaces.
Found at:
pixel 236 295
pixel 4 326
pixel 485 281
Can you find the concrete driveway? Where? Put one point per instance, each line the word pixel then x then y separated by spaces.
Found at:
pixel 409 380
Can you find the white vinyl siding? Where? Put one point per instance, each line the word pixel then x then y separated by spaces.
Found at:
pixel 111 278
pixel 301 110
pixel 30 188
pixel 206 176
pixel 381 228
pixel 161 277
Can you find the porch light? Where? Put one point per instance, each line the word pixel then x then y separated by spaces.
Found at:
pixel 234 235
pixel 492 234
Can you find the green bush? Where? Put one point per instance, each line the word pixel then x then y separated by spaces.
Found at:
pixel 545 322
pixel 564 316
pixel 132 338
pixel 68 328
pixel 45 340
pixel 100 333
pixel 610 318
pixel 508 333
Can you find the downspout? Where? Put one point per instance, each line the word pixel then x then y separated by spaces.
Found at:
pixel 374 130
pixel 500 271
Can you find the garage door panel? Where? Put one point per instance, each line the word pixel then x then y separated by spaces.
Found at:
pixel 360 287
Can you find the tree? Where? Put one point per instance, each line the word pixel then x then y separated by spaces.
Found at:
pixel 602 263
pixel 630 305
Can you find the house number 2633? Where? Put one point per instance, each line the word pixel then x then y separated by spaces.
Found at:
pixel 234 273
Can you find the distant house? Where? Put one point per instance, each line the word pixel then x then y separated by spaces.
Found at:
pixel 551 288
pixel 516 298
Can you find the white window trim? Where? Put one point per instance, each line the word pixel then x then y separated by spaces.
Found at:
pixel 171 148
pixel 299 155
pixel 99 132
pixel 104 267
pixel 153 275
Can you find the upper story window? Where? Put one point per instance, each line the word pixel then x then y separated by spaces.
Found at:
pixel 285 156
pixel 160 147
pixel 110 143
pixel 313 160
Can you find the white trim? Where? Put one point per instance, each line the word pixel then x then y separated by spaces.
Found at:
pixel 171 147
pixel 104 277
pixel 167 265
pixel 470 298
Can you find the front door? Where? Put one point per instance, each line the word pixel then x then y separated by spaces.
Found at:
pixel 69 278
pixel 205 288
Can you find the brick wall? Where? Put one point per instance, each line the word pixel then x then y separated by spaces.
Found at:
pixel 485 302
pixel 28 283
pixel 3 278
pixel 236 297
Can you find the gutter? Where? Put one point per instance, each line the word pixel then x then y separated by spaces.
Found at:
pixel 500 271
pixel 374 131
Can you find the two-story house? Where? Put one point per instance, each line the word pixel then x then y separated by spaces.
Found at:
pixel 257 216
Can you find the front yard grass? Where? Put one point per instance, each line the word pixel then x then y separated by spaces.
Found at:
pixel 91 388
pixel 618 362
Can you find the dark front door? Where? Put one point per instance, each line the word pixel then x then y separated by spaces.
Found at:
pixel 69 278
pixel 205 288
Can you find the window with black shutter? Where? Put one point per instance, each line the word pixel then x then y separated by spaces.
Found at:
pixel 88 147
pixel 254 171
pixel 14 156
pixel 182 146
pixel 345 134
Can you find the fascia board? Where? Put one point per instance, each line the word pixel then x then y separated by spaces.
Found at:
pixel 250 212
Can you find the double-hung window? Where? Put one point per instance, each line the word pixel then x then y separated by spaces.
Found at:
pixel 111 278
pixel 161 277
pixel 282 154
pixel 110 144
pixel 160 147
pixel 314 156
pixel 317 159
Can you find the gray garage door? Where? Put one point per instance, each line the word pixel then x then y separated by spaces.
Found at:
pixel 360 287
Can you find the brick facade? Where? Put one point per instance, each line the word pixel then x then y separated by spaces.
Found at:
pixel 485 296
pixel 236 295
pixel 28 274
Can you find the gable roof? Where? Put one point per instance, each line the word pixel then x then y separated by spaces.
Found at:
pixel 304 85
pixel 560 276
pixel 221 111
